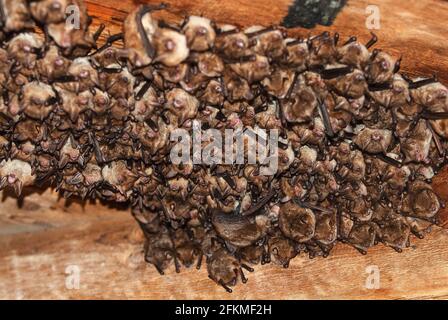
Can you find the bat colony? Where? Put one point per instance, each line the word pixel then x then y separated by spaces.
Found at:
pixel 360 141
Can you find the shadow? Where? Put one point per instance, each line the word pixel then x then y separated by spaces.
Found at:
pixel 8 193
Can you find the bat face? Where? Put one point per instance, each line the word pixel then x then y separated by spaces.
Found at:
pixel 17 174
pixel 281 250
pixel 374 140
pixel 49 11
pixel 38 101
pixel 200 33
pixel 231 43
pixel 297 223
pixel 380 68
pixel 23 49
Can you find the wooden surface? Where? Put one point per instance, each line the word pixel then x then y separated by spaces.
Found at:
pixel 42 238
pixel 414 29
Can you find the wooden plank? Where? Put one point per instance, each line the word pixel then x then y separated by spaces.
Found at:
pixel 41 236
pixel 105 245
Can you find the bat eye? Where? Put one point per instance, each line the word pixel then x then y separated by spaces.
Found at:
pixel 201 31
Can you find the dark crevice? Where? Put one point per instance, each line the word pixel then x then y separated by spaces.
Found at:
pixel 308 13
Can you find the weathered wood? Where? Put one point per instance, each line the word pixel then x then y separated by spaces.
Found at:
pixel 42 240
pixel 40 236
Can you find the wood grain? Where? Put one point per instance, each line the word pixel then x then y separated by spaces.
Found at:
pixel 41 235
pixel 43 238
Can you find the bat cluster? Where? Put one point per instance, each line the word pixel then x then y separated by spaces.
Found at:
pixel 359 143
